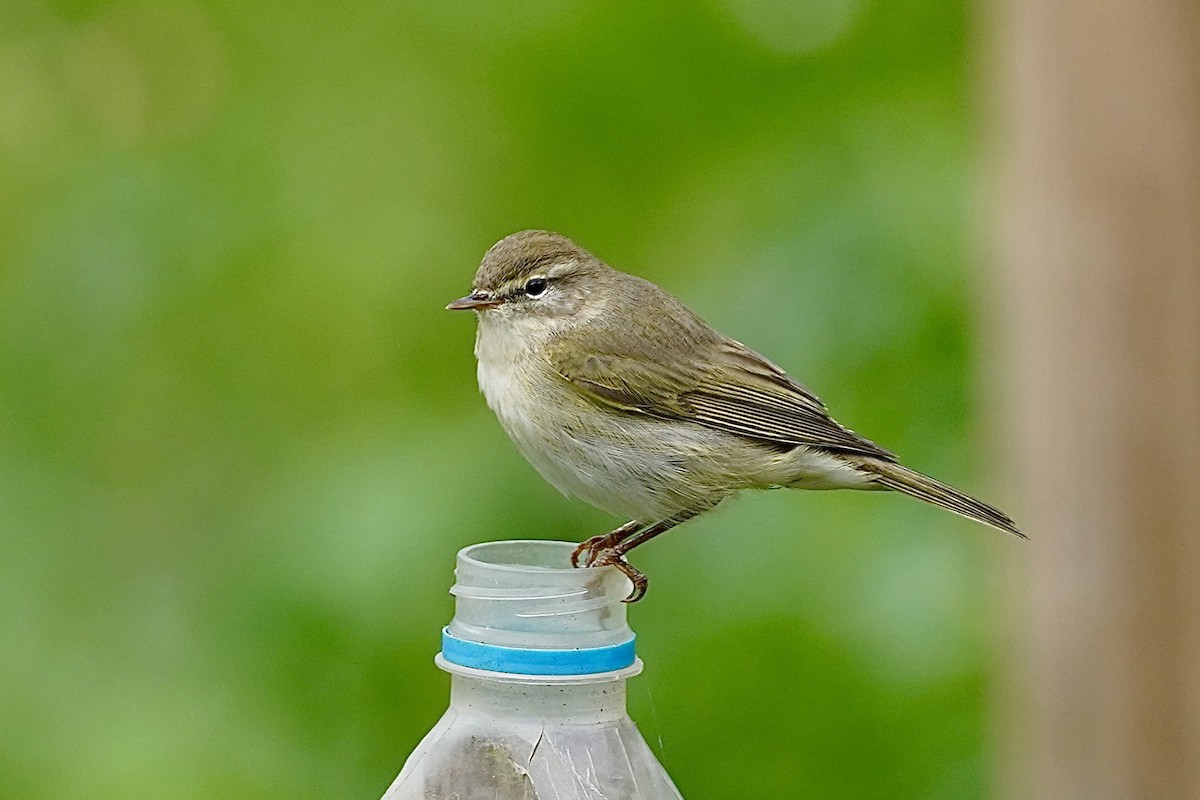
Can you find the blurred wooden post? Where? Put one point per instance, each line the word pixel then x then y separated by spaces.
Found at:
pixel 1098 150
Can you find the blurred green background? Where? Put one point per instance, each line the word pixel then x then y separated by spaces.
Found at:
pixel 240 438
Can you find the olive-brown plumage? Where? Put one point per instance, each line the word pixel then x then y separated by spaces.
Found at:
pixel 622 396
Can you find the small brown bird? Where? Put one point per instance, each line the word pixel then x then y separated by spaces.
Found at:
pixel 620 395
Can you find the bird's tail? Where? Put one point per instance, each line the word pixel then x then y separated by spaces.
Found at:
pixel 902 479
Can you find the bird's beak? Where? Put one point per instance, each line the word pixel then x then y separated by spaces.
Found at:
pixel 475 301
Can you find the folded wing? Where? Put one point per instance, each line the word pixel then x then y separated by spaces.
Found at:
pixel 713 381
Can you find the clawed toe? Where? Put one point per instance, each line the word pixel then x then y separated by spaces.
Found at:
pixel 587 550
pixel 608 550
pixel 636 577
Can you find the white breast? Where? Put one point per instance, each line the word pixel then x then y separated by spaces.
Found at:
pixel 630 466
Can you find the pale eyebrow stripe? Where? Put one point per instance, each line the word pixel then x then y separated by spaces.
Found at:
pixel 558 269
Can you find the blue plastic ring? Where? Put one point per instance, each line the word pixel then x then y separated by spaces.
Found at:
pixel 524 661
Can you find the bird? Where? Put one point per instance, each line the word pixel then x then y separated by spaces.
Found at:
pixel 620 395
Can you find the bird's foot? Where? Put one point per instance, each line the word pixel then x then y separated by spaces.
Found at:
pixel 612 557
pixel 585 553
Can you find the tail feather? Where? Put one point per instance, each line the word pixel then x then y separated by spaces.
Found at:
pixel 915 484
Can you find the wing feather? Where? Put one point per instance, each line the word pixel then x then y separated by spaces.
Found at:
pixel 702 377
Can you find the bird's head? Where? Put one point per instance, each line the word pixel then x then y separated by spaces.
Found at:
pixel 535 275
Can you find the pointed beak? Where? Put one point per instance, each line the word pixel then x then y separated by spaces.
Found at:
pixel 475 301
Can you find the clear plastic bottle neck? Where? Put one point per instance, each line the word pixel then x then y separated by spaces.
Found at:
pixel 577 703
pixel 521 609
pixel 538 654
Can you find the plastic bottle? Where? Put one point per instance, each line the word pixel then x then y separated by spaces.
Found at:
pixel 538 655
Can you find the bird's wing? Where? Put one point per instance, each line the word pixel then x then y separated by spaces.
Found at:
pixel 713 381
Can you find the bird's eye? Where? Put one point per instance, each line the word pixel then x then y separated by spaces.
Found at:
pixel 535 286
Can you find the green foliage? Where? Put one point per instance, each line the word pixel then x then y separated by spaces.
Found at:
pixel 240 440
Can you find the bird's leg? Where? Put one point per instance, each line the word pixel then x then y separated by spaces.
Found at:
pixel 614 555
pixel 586 551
